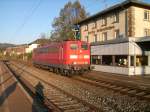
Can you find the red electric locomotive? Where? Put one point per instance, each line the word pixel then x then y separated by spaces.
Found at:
pixel 66 57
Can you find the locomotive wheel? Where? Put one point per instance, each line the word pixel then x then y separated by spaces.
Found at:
pixel 51 69
pixel 61 72
pixel 69 73
pixel 72 72
pixel 56 71
pixel 66 72
pixel 81 71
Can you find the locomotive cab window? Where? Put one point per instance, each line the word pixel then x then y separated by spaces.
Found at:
pixel 73 46
pixel 84 46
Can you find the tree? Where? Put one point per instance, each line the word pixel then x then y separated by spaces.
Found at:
pixel 71 13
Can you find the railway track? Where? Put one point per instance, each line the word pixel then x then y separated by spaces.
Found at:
pixel 126 89
pixel 56 98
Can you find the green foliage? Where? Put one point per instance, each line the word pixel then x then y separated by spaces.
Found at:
pixel 71 14
pixel 28 56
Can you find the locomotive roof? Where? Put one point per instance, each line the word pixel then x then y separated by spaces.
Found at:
pixel 56 42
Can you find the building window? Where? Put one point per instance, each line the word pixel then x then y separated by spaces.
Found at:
pixel 104 22
pixel 146 32
pixel 121 60
pixel 94 25
pixel 117 34
pixel 146 15
pixel 141 60
pixel 104 36
pixel 85 27
pixel 95 38
pixel 107 60
pixel 96 59
pixel 116 18
pixel 98 25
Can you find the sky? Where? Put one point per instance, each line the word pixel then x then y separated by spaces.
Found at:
pixel 23 21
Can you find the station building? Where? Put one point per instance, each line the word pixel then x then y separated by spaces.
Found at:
pixel 119 38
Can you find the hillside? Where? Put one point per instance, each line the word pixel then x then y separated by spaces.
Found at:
pixel 3 46
pixel 41 41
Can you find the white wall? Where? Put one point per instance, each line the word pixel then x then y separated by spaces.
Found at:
pixel 31 47
pixel 112 69
pixel 123 70
pixel 128 48
pixel 139 70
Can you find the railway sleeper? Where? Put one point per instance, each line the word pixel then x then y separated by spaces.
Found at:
pixel 60 100
pixel 85 109
pixel 57 96
pixel 68 107
pixel 52 90
pixel 67 103
pixel 118 88
pixel 140 94
pixel 102 83
pixel 108 84
pixel 147 96
pixel 125 90
pixel 114 86
pixel 132 92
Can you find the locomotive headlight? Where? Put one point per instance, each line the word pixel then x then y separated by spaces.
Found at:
pixel 73 56
pixel 86 56
pixel 74 63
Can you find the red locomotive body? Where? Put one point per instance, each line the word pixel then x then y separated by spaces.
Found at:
pixel 65 57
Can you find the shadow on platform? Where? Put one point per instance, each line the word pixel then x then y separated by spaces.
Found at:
pixel 7 92
pixel 38 99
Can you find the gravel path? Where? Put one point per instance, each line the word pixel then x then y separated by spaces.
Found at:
pixel 102 98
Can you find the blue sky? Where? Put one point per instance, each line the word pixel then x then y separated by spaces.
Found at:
pixel 22 21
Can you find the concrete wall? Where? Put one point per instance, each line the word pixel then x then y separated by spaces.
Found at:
pixel 112 69
pixel 139 70
pixel 123 70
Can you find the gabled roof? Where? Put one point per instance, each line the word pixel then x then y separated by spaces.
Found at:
pixel 122 5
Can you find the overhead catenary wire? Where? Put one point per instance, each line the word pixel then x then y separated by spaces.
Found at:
pixel 27 18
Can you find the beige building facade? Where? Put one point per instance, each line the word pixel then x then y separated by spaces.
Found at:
pixel 120 38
